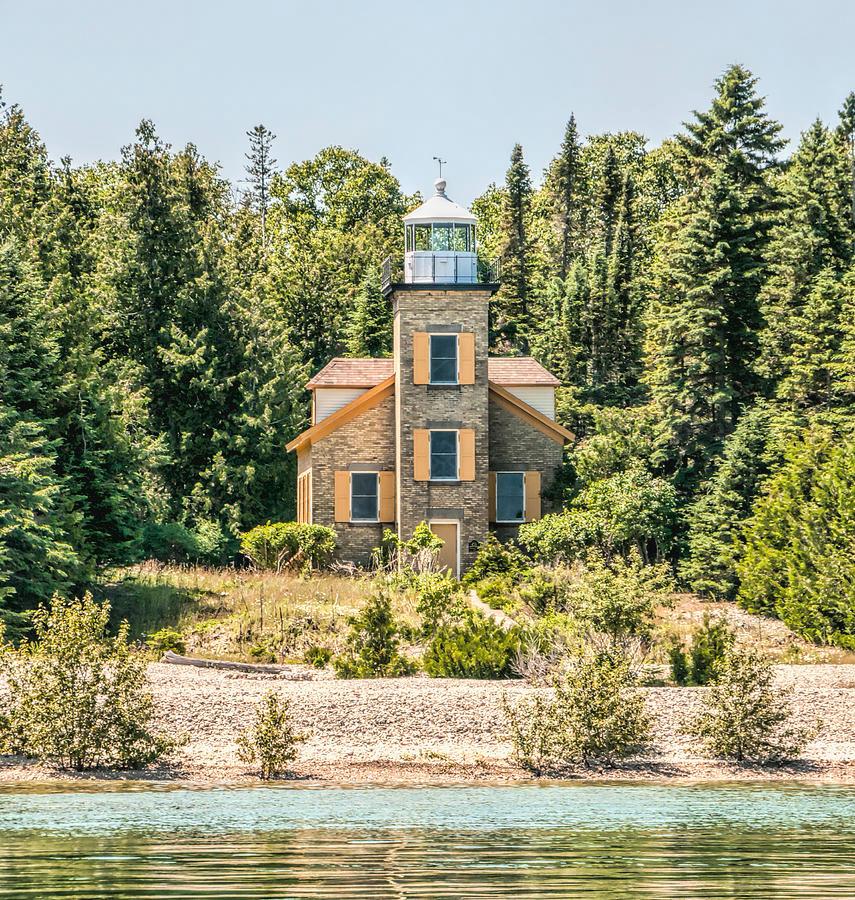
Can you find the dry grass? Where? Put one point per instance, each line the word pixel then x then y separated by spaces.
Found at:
pixel 242 613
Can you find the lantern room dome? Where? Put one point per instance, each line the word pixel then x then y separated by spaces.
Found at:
pixel 439 208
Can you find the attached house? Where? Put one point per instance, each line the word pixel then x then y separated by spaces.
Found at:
pixel 441 432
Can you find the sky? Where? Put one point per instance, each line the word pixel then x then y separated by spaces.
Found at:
pixel 408 81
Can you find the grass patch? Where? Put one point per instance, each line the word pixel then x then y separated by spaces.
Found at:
pixel 242 614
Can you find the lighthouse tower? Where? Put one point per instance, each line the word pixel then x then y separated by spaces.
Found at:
pixel 440 309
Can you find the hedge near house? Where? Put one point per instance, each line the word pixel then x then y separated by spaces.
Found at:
pixel 289 545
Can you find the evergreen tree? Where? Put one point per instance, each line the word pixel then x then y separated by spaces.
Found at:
pixel 846 132
pixel 710 267
pixel 566 187
pixel 512 305
pixel 36 557
pixel 260 172
pixel 813 234
pixel 609 198
pixel 370 328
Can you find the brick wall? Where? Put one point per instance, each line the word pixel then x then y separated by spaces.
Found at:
pixel 366 441
pixel 516 446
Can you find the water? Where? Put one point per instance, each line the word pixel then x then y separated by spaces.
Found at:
pixel 553 840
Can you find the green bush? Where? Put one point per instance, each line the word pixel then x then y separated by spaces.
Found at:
pixel 473 648
pixel 796 560
pixel 439 600
pixel 289 545
pixel 206 544
pixel 78 697
pixel 745 717
pixel 271 742
pixel 558 537
pixel 316 656
pixel 618 598
pixel 596 715
pixel 710 643
pixel 408 558
pixel 166 639
pixel 497 559
pixel 373 644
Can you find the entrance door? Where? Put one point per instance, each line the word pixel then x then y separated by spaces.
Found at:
pixel 447 531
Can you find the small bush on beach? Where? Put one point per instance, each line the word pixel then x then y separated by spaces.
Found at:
pixel 271 743
pixel 497 559
pixel 316 656
pixel 745 717
pixel 473 648
pixel 77 696
pixel 289 545
pixel 597 715
pixel 373 644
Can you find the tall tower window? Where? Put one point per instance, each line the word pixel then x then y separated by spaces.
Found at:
pixel 510 497
pixel 443 456
pixel 443 359
pixel 363 497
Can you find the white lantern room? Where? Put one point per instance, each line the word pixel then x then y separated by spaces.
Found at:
pixel 440 242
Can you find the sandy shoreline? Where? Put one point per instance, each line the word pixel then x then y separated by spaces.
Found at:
pixel 427 731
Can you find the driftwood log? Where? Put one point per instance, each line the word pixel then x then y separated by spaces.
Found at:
pixel 496 616
pixel 177 660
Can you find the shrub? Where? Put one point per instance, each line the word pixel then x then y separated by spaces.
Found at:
pixel 439 600
pixel 318 657
pixel 597 715
pixel 168 542
pixel 745 716
pixel 617 599
pixel 497 559
pixel 289 545
pixel 558 537
pixel 372 645
pixel 796 560
pixel 166 639
pixel 78 697
pixel 631 509
pixel 271 742
pixel 710 643
pixel 416 555
pixel 473 648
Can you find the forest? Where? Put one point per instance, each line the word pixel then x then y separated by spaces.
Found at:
pixel 696 299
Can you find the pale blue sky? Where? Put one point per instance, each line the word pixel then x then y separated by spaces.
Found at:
pixel 407 80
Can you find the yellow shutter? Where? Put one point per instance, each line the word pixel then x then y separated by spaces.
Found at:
pixel 466 357
pixel 467 454
pixel 532 496
pixel 386 486
pixel 421 454
pixel 300 488
pixel 421 357
pixel 342 496
pixel 491 495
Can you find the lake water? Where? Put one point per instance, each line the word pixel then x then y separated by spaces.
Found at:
pixel 552 840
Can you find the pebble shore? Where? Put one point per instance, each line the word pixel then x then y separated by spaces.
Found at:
pixel 423 730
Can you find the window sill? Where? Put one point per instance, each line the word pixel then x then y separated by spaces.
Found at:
pixel 444 481
pixel 364 522
pixel 440 386
pixel 509 522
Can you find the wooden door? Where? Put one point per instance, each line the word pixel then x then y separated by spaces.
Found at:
pixel 447 531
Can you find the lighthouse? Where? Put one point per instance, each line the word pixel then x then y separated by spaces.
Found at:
pixel 439 241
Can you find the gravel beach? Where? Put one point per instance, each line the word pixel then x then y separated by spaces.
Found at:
pixel 422 730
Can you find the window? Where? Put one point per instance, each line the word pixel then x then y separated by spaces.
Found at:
pixel 363 497
pixel 443 359
pixel 462 242
pixel 422 237
pixel 510 497
pixel 443 455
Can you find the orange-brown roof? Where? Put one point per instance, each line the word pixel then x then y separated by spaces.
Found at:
pixel 517 371
pixel 342 372
pixel 508 371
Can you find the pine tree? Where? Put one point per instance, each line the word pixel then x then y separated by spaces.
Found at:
pixel 566 188
pixel 370 327
pixel 36 557
pixel 710 266
pixel 511 306
pixel 846 132
pixel 260 172
pixel 813 234
pixel 609 199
